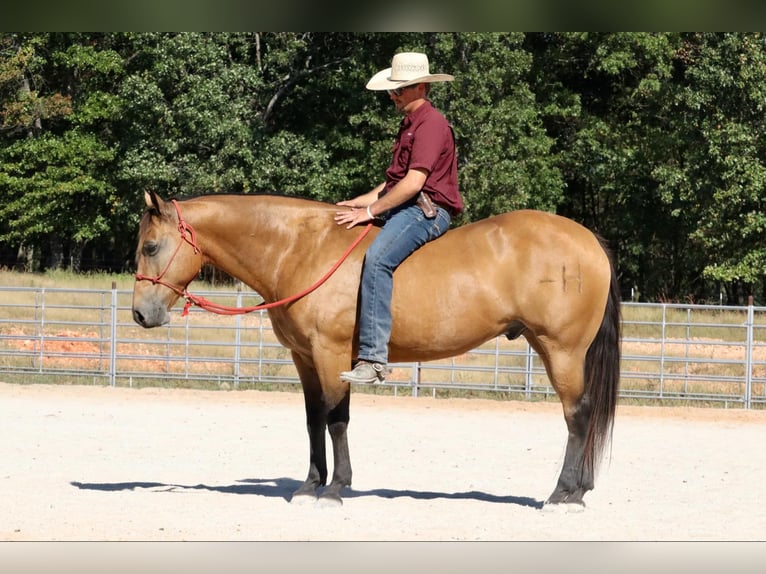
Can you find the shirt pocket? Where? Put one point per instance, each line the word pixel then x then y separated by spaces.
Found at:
pixel 403 149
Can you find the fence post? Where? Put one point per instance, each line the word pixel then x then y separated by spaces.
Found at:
pixel 113 338
pixel 237 336
pixel 663 333
pixel 528 374
pixel 42 330
pixel 260 344
pixel 749 352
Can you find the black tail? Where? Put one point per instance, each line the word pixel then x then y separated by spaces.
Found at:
pixel 602 377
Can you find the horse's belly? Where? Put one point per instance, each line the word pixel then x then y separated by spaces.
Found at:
pixel 423 338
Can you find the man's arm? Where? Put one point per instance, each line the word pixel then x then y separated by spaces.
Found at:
pixel 406 189
pixel 365 199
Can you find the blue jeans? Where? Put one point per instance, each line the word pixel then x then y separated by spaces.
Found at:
pixel 405 230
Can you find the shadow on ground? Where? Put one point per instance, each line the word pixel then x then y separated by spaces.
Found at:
pixel 284 488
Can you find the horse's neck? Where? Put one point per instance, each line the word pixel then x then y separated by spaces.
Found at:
pixel 247 237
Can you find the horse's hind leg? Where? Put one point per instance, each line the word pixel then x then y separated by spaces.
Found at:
pixel 575 480
pixel 566 373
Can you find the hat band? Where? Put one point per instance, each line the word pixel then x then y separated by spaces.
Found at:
pixel 405 72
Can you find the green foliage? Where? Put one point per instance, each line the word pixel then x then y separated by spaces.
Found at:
pixel 505 153
pixel 727 78
pixel 52 189
pixel 22 106
pixel 654 140
pixel 186 114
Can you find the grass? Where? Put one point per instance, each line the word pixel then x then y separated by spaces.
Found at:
pixel 66 280
pixel 725 324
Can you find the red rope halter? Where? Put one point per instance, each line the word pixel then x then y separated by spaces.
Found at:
pixel 189 236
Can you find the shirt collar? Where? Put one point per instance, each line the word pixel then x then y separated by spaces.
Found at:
pixel 422 110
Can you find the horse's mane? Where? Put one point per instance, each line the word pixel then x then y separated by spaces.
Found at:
pixel 285 195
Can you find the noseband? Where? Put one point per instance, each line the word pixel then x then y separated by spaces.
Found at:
pixel 189 236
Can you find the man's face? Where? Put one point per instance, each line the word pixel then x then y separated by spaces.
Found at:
pixel 404 98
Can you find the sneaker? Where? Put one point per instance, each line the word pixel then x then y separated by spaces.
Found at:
pixel 364 372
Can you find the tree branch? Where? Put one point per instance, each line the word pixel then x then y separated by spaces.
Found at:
pixel 291 80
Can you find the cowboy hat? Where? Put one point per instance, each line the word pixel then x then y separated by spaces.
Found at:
pixel 407 69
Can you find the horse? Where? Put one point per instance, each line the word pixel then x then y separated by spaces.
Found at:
pixel 523 273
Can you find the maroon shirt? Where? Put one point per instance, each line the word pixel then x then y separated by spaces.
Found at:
pixel 425 141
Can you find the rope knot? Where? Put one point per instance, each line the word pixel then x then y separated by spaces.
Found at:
pixel 186 230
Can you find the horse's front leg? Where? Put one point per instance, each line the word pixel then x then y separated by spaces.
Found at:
pixel 338 418
pixel 316 424
pixel 327 402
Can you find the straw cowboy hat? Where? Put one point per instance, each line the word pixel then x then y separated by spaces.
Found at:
pixel 407 69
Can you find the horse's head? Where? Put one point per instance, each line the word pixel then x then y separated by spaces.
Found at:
pixel 167 260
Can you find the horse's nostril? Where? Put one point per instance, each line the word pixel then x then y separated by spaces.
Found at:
pixel 138 317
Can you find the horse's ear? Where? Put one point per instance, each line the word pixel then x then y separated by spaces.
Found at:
pixel 153 201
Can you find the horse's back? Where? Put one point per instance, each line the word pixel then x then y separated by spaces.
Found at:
pixel 540 270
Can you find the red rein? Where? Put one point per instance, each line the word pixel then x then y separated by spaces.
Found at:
pixel 189 236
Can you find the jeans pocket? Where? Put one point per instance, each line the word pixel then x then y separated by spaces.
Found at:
pixel 439 224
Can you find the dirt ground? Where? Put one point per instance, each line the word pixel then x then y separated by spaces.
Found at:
pixel 82 463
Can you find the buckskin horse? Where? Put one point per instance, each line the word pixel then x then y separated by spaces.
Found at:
pixel 523 273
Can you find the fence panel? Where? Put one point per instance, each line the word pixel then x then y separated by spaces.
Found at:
pixel 670 352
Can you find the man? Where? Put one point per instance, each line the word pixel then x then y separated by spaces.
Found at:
pixel 415 202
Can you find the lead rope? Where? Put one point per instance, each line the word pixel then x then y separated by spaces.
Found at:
pixel 208 305
pixel 190 236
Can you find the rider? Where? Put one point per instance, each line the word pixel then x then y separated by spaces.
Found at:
pixel 415 202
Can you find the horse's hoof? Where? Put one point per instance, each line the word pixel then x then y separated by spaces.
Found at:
pixel 329 501
pixel 563 507
pixel 303 499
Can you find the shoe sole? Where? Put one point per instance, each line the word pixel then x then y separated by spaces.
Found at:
pixel 347 379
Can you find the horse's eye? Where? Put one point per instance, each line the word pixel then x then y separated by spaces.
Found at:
pixel 150 248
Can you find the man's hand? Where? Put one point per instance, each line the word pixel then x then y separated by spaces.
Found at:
pixel 353 216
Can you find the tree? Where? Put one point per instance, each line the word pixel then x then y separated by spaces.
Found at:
pixel 608 101
pixel 52 165
pixel 506 156
pixel 724 79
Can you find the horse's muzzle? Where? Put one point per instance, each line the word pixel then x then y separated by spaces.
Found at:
pixel 151 317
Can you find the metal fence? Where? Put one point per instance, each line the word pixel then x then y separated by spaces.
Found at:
pixel 670 352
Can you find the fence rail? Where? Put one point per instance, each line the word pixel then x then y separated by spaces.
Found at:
pixel 670 352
